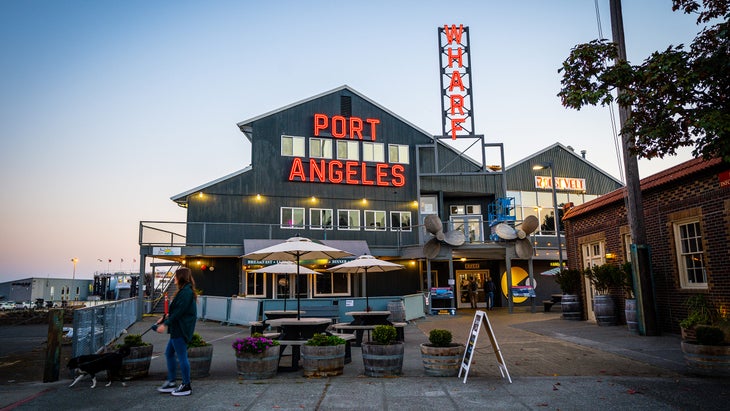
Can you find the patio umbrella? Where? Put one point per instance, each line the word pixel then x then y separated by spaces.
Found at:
pixel 285 267
pixel 366 263
pixel 296 249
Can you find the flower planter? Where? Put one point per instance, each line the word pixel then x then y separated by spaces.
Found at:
pixel 605 309
pixel 382 360
pixel 571 308
pixel 707 360
pixel 257 366
pixel 137 363
pixel 442 361
pixel 200 359
pixel 323 361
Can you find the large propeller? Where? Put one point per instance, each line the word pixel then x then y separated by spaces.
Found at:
pixel 435 227
pixel 523 245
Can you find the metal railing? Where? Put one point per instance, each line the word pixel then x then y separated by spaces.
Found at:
pixel 96 327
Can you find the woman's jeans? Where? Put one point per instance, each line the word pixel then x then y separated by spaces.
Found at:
pixel 180 347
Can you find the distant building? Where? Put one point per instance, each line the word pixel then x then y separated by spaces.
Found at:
pixel 49 289
pixel 687 220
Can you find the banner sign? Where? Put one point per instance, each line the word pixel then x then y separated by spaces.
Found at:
pixel 480 317
pixel 457 101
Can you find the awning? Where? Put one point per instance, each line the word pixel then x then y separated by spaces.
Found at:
pixel 552 271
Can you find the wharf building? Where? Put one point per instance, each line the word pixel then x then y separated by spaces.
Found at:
pixel 340 169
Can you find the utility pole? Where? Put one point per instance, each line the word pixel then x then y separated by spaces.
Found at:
pixel 641 263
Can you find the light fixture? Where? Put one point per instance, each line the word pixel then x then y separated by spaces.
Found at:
pixel 200 194
pixel 610 256
pixel 258 197
pixel 462 259
pixel 314 199
pixel 364 201
pixel 556 216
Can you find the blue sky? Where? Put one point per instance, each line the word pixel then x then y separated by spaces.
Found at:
pixel 108 108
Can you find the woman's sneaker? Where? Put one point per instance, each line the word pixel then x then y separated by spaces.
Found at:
pixel 183 389
pixel 168 386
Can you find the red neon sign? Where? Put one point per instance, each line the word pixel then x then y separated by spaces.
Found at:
pixel 341 127
pixel 347 172
pixel 456 101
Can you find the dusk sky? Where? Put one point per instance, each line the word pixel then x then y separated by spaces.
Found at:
pixel 109 108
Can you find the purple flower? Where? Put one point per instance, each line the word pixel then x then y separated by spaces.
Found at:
pixel 253 345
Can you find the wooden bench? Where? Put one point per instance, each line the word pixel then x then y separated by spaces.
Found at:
pixel 548 304
pixel 331 312
pixel 359 330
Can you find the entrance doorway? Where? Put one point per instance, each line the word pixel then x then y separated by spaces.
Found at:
pixel 463 293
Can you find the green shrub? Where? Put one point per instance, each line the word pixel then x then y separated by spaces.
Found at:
pixel 568 281
pixel 709 335
pixel 440 338
pixel 133 340
pixel 699 312
pixel 197 341
pixel 384 334
pixel 321 340
pixel 605 277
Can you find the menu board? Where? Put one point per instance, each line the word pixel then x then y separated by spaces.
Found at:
pixel 480 317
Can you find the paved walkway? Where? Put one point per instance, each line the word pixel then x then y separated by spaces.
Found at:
pixel 553 363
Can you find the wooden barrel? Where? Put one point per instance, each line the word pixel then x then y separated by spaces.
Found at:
pixel 631 316
pixel 442 361
pixel 382 360
pixel 258 366
pixel 570 306
pixel 137 363
pixel 199 359
pixel 323 361
pixel 397 311
pixel 708 360
pixel 604 309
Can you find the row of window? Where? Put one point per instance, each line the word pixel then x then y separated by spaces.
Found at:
pixel 292 146
pixel 322 219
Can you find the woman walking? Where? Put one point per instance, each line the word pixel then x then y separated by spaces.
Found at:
pixel 180 324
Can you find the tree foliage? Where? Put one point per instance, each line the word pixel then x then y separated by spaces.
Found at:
pixel 677 97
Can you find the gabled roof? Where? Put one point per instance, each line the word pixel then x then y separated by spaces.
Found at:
pixel 567 150
pixel 182 197
pixel 653 181
pixel 245 125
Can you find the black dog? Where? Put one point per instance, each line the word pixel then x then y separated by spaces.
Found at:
pixel 92 364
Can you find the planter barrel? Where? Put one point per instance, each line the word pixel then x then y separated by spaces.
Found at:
pixel 258 366
pixel 707 360
pixel 397 311
pixel 442 361
pixel 632 322
pixel 323 361
pixel 570 306
pixel 199 359
pixel 137 363
pixel 605 309
pixel 382 360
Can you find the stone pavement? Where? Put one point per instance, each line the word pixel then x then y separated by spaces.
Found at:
pixel 553 364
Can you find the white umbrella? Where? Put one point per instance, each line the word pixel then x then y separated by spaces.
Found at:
pixel 285 267
pixel 366 263
pixel 296 249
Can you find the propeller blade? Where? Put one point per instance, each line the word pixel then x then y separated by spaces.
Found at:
pixel 440 235
pixel 505 232
pixel 455 238
pixel 530 224
pixel 432 248
pixel 523 248
pixel 520 234
pixel 433 224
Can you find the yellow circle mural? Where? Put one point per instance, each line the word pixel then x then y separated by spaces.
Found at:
pixel 519 276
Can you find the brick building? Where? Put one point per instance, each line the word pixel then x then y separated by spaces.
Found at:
pixel 687 220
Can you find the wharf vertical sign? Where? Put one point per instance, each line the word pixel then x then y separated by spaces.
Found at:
pixel 456 98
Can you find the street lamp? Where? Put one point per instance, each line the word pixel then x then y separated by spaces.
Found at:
pixel 73 278
pixel 556 219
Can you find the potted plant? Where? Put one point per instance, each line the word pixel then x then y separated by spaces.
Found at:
pixel 383 356
pixel 709 353
pixel 137 363
pixel 200 355
pixel 441 357
pixel 257 357
pixel 323 355
pixel 605 278
pixel 569 282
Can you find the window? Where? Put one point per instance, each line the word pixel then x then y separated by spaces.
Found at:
pixel 593 254
pixel 254 286
pixel 348 219
pixel 374 220
pixel 373 152
pixel 690 255
pixel 348 150
pixel 398 153
pixel 332 284
pixel 292 217
pixel 400 221
pixel 320 148
pixel 292 146
pixel 320 218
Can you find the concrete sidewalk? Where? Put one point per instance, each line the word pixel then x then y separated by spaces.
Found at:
pixel 553 363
